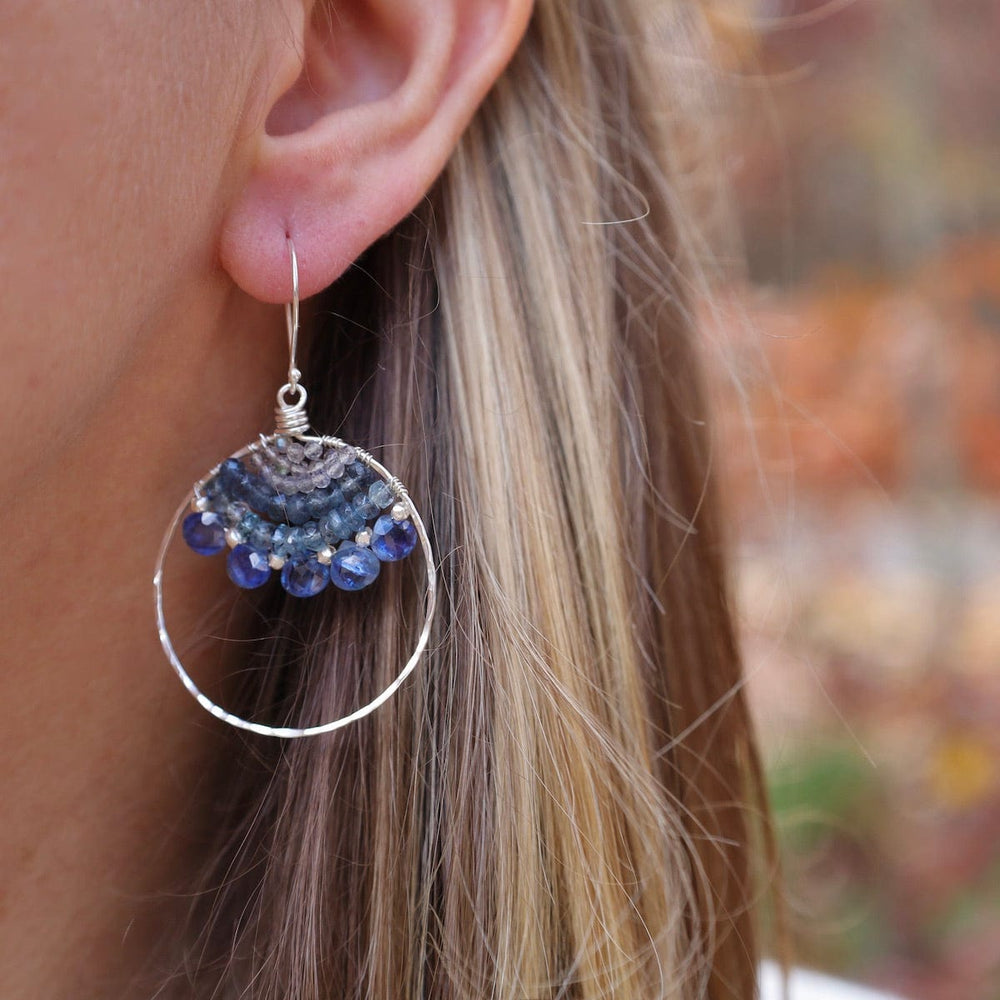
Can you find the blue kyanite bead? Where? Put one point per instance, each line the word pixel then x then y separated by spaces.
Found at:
pixel 380 494
pixel 304 579
pixel 230 472
pixel 392 540
pixel 247 567
pixel 258 496
pixel 353 567
pixel 205 532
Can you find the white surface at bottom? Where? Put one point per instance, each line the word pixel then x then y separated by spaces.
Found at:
pixel 804 985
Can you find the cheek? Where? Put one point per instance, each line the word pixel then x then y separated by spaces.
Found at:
pixel 116 121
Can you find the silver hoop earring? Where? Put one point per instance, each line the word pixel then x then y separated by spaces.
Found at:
pixel 312 509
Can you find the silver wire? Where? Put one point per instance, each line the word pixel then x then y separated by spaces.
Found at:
pixel 292 318
pixel 291 418
pixel 290 732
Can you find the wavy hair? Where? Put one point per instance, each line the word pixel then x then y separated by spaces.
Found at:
pixel 563 800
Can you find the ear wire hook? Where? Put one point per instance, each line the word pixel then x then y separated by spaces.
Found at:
pixel 292 318
pixel 291 416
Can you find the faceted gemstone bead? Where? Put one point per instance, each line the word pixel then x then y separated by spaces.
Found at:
pixel 218 499
pixel 235 513
pixel 247 567
pixel 333 528
pixel 230 473
pixel 311 538
pixel 296 510
pixel 353 567
pixel 204 532
pixel 249 521
pixel 380 494
pixel 306 578
pixel 287 542
pixel 258 496
pixel 352 518
pixel 247 525
pixel 364 506
pixel 392 540
pixel 318 503
pixel 260 534
pixel 276 507
pixel 212 489
pixel 242 486
pixel 350 485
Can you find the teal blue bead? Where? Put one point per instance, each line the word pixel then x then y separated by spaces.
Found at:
pixel 311 537
pixel 365 507
pixel 261 535
pixel 333 528
pixel 353 519
pixel 350 485
pixel 287 541
pixel 380 494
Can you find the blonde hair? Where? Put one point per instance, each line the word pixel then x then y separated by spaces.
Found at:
pixel 562 801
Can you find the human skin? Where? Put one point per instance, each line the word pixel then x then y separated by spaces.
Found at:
pixel 152 159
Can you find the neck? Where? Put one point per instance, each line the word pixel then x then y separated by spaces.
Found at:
pixel 106 758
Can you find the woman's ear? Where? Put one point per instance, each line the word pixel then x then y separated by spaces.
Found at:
pixel 361 102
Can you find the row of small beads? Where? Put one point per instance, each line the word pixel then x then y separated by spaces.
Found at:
pixel 317 531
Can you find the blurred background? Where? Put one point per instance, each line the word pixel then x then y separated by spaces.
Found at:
pixel 863 449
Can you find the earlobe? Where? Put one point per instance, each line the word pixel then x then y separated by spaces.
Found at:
pixel 385 89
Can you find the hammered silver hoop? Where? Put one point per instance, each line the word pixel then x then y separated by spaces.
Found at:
pixel 292 424
pixel 291 732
